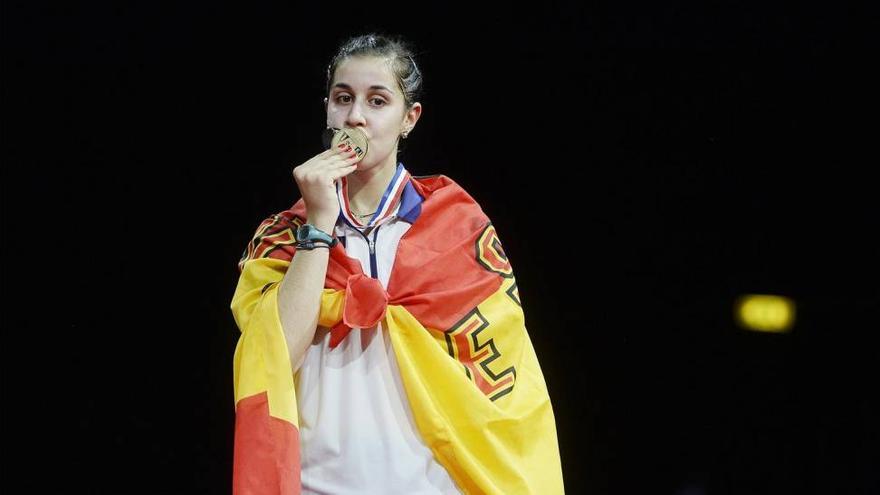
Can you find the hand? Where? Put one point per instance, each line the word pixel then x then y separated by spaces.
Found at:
pixel 316 180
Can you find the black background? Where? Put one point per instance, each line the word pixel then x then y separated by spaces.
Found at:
pixel 644 164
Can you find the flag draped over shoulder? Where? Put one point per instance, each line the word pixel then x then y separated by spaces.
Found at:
pixel 456 324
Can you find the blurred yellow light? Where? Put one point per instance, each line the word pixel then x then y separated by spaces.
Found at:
pixel 765 313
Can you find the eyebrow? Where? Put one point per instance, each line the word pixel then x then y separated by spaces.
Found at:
pixel 375 86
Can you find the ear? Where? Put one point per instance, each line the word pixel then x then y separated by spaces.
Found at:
pixel 412 116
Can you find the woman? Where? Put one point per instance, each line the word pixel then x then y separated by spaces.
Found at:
pixel 383 348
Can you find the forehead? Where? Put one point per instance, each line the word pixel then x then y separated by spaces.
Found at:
pixel 363 72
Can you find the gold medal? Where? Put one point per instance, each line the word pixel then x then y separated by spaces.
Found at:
pixel 353 137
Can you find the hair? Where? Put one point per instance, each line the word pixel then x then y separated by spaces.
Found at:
pixel 397 51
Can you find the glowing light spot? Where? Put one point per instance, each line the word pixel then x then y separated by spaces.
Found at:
pixel 765 313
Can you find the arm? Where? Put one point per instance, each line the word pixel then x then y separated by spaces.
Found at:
pixel 299 293
pixel 299 298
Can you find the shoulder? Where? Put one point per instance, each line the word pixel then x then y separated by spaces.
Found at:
pixel 429 184
pixel 442 189
pixel 292 217
pixel 448 206
pixel 275 236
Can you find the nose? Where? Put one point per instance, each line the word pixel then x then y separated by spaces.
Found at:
pixel 355 117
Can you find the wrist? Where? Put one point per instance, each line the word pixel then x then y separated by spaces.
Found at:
pixel 309 236
pixel 322 224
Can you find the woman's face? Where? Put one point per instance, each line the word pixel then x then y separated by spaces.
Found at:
pixel 364 94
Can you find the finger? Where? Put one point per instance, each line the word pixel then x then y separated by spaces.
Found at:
pixel 321 160
pixel 344 159
pixel 329 152
pixel 344 163
pixel 335 158
pixel 342 172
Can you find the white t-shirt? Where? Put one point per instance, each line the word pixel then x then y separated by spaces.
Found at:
pixel 357 433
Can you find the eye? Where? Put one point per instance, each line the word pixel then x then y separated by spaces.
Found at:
pixel 343 98
pixel 378 101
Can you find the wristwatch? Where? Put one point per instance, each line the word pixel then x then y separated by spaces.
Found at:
pixel 307 236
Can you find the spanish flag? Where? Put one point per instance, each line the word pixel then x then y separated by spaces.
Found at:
pixel 453 312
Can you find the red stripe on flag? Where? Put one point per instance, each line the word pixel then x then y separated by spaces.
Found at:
pixel 266 451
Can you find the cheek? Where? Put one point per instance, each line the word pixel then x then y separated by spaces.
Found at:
pixel 388 130
pixel 335 116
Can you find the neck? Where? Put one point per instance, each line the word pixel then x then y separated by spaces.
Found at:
pixel 365 188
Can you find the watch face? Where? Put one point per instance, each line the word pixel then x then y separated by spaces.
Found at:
pixel 308 232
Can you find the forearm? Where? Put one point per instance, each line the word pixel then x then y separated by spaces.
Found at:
pixel 299 300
